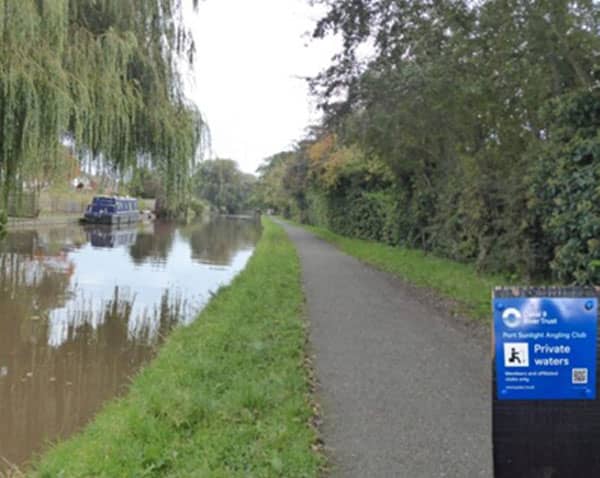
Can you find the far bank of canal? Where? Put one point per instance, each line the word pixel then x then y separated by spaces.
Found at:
pixel 82 309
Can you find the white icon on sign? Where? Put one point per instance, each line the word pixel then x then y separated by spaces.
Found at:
pixel 516 354
pixel 512 317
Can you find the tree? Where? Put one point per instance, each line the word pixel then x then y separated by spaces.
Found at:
pixel 103 74
pixel 146 183
pixel 449 79
pixel 564 194
pixel 270 190
pixel 220 182
pixel 441 138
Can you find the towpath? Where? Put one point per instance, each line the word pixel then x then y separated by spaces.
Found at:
pixel 403 389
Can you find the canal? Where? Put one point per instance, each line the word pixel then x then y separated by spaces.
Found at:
pixel 82 309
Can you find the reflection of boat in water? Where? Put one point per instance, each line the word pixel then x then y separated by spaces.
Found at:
pixel 112 210
pixel 106 236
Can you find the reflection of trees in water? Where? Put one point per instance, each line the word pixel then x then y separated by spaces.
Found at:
pixel 135 322
pixel 214 242
pixel 62 353
pixel 22 242
pixel 151 326
pixel 155 245
pixel 63 238
pixel 29 289
pixel 45 241
pixel 218 241
pixel 47 392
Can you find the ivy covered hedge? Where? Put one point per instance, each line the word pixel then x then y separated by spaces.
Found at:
pixel 566 188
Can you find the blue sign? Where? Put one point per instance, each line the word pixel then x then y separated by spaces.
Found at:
pixel 545 348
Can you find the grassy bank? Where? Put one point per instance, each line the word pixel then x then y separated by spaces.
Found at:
pixel 454 280
pixel 225 397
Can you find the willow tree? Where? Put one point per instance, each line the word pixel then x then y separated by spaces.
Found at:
pixel 104 75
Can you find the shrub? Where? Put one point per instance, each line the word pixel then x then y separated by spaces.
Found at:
pixel 565 192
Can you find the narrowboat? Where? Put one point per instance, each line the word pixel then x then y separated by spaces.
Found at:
pixel 112 210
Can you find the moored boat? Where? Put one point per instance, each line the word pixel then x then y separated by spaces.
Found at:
pixel 112 210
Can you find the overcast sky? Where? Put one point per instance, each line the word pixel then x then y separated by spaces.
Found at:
pixel 247 82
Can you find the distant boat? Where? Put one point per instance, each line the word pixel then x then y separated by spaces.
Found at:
pixel 112 210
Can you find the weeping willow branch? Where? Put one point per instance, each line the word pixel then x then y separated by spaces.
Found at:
pixel 3 220
pixel 102 73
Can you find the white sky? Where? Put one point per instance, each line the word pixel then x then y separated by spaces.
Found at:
pixel 246 80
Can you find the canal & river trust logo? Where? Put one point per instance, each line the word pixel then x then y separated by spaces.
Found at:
pixel 512 317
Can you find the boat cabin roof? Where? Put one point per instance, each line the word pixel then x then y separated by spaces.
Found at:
pixel 114 198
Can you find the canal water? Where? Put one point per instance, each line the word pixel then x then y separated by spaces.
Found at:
pixel 82 308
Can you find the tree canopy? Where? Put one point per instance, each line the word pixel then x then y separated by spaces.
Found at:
pixel 102 76
pixel 470 129
pixel 221 183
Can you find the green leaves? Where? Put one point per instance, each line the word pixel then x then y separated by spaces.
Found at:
pixel 485 119
pixel 3 221
pixel 220 182
pixel 103 74
pixel 567 178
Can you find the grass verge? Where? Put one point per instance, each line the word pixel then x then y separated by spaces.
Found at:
pixel 225 397
pixel 453 280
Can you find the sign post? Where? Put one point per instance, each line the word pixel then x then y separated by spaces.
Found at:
pixel 546 412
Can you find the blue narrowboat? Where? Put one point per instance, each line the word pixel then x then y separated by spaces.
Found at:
pixel 112 210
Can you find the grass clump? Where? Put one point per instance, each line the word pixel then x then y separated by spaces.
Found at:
pixel 454 280
pixel 225 397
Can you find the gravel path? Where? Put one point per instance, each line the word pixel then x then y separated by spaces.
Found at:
pixel 405 392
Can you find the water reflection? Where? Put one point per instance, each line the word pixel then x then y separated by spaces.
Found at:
pixel 82 308
pixel 105 236
pixel 209 245
pixel 155 245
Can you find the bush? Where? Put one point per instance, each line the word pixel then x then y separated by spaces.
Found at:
pixel 197 206
pixel 565 190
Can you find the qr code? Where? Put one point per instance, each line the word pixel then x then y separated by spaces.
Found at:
pixel 579 376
